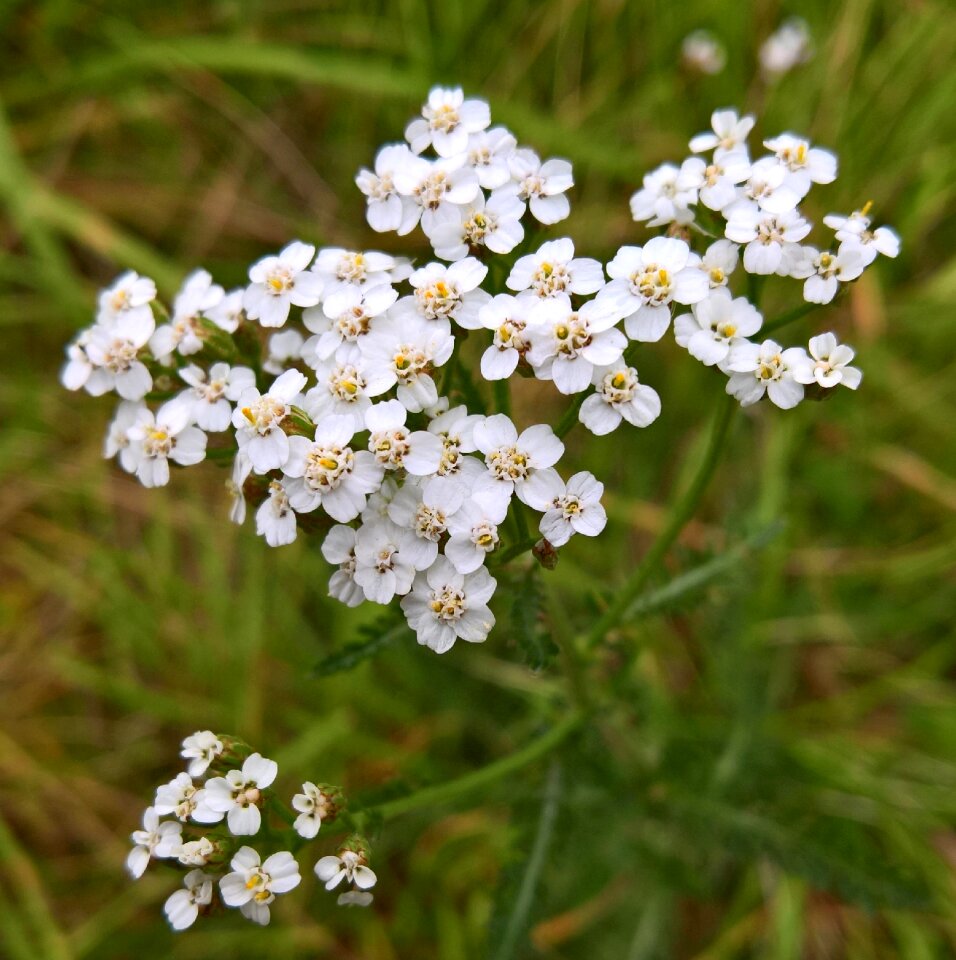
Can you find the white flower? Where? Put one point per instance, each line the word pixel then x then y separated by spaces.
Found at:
pixel 787 47
pixel 854 231
pixel 196 853
pixel 395 447
pixel 574 508
pixel 489 153
pixel 436 187
pixel 387 209
pixel 619 396
pixel 507 316
pixel 154 840
pixel 554 270
pixel 494 223
pixel 239 793
pixel 179 797
pixel 517 463
pixel 719 178
pixel 117 437
pixel 280 282
pixel 349 865
pixel 805 165
pixel 702 51
pixel 769 187
pixel 112 359
pixel 342 320
pixel 645 280
pixel 567 344
pixel 444 293
pixel 200 749
pixel 313 805
pixel 384 560
pixel 127 299
pixel 341 389
pixel 402 351
pixel 729 134
pixel 227 313
pixel 154 441
pixel 719 262
pixel 339 547
pixel 473 529
pixel 447 120
pixel 209 399
pixel 77 369
pixel 445 606
pixel 340 269
pixel 283 350
pixel 709 332
pixel 182 908
pixel 667 194
pixel 425 511
pixel 183 334
pixel 257 420
pixel 767 368
pixel 830 364
pixel 326 471
pixel 275 518
pixel 824 271
pixel 253 885
pixel 766 235
pixel 456 428
pixel 541 185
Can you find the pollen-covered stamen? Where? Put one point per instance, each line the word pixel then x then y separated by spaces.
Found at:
pixel 550 278
pixel 618 387
pixel 351 268
pixel 438 299
pixel 571 335
pixel 430 193
pixel 770 230
pixel 508 463
pixel 770 369
pixel 279 498
pixel 279 281
pixel 653 283
pixel 248 796
pixel 717 276
pixel 212 391
pixel 475 228
pixel 158 443
pixel 794 157
pixel 352 324
pixel 389 447
pixel 265 413
pixel 569 505
pixel 448 603
pixel 346 384
pixel 409 362
pixel 485 536
pixel 326 466
pixel 430 522
pixel 531 186
pixel 509 335
pixel 120 356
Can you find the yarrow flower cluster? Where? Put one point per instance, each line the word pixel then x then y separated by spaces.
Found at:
pixel 201 820
pixel 336 380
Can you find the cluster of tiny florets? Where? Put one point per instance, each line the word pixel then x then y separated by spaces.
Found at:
pixel 199 822
pixel 335 383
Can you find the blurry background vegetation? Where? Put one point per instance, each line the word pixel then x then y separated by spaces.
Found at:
pixel 772 772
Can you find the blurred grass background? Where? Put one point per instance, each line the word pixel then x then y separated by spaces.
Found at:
pixel 773 774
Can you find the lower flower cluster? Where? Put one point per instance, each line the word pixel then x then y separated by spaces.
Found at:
pixel 198 819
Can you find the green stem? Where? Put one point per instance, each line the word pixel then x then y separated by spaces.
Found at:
pixel 515 550
pixel 502 394
pixel 788 316
pixel 680 514
pixel 570 416
pixel 445 792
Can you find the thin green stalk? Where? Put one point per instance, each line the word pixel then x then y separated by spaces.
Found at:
pixel 570 416
pixel 788 316
pixel 518 920
pixel 682 511
pixel 502 394
pixel 470 783
pixel 515 550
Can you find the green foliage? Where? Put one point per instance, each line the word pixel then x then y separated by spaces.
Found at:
pixel 764 766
